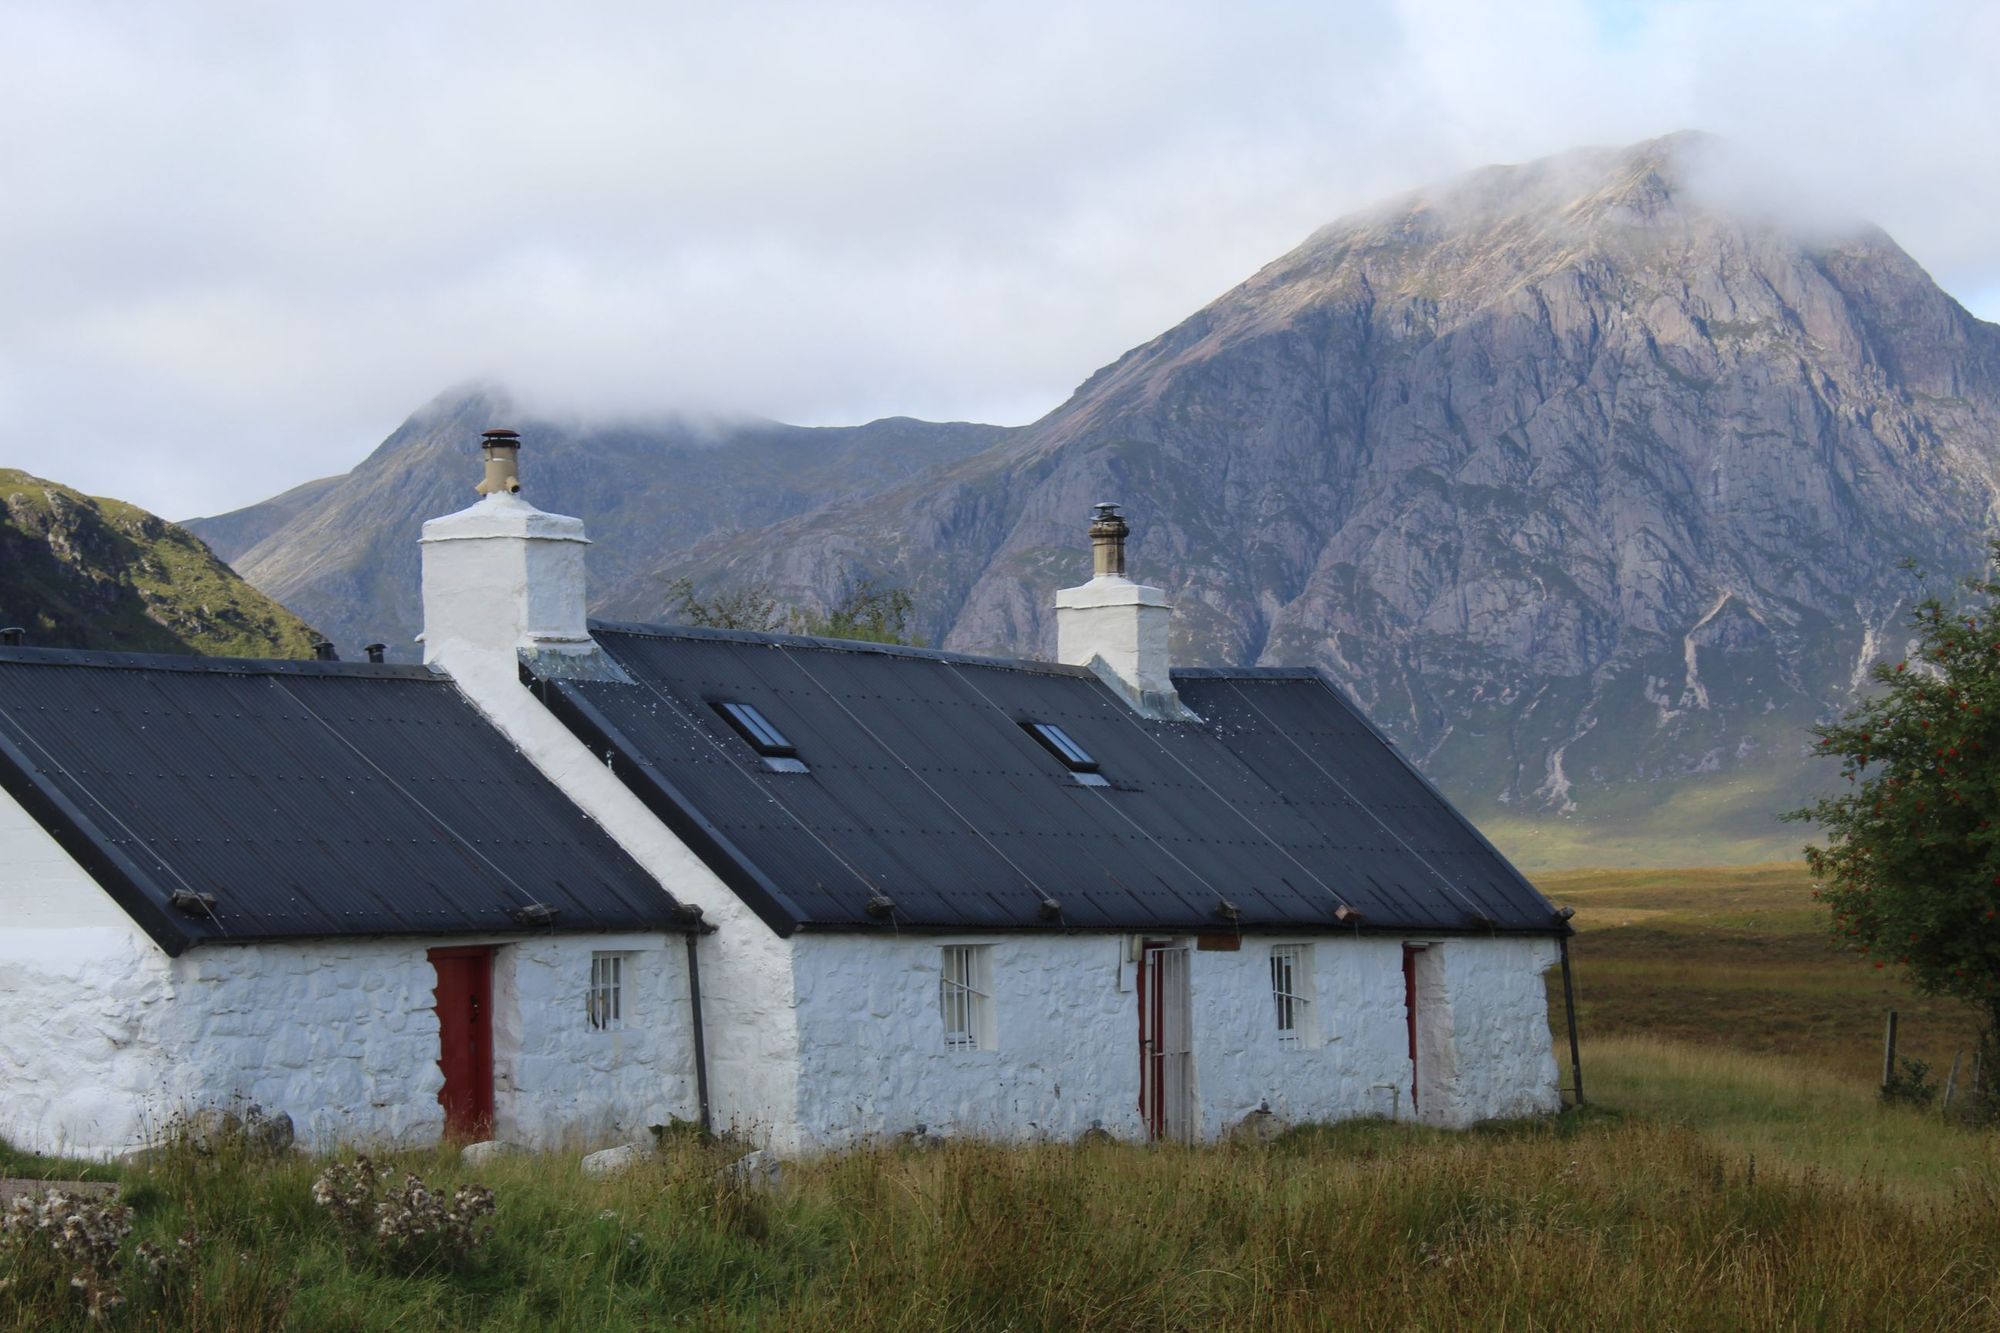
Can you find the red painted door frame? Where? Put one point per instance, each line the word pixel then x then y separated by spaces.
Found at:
pixel 465 1038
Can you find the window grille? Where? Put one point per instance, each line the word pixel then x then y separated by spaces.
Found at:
pixel 965 997
pixel 1292 993
pixel 605 1001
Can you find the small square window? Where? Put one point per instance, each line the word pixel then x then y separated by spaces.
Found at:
pixel 965 997
pixel 1292 994
pixel 604 1003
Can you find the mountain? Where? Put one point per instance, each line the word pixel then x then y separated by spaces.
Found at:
pixel 1589 477
pixel 80 571
pixel 343 550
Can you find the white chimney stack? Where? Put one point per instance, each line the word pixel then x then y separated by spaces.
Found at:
pixel 502 577
pixel 1117 627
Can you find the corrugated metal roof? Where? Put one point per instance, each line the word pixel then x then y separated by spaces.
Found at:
pixel 924 788
pixel 308 798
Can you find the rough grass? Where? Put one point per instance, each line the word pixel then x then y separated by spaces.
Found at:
pixel 1738 958
pixel 1733 1171
pixel 1592 1220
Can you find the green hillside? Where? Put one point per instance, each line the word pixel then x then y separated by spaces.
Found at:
pixel 80 571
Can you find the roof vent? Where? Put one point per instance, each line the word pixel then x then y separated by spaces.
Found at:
pixel 502 452
pixel 194 904
pixel 323 651
pixel 880 905
pixel 535 914
pixel 13 636
pixel 1051 909
pixel 1107 541
pixel 375 651
pixel 1347 916
pixel 1227 910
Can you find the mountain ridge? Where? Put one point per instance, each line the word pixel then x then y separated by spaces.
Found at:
pixel 1588 477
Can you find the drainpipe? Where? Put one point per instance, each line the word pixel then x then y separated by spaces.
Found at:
pixel 1569 1011
pixel 692 914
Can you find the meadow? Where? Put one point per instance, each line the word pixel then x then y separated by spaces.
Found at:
pixel 1733 1169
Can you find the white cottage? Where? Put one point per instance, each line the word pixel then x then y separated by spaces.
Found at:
pixel 1015 898
pixel 327 889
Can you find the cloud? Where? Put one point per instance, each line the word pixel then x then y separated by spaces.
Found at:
pixel 242 241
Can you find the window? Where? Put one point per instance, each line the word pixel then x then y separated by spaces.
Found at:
pixel 1074 757
pixel 1292 993
pixel 965 997
pixel 779 754
pixel 605 1001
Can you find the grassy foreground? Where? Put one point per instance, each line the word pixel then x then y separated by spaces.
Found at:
pixel 1590 1221
pixel 1733 1171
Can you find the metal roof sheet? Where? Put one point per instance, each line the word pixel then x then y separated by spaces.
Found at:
pixel 924 788
pixel 308 798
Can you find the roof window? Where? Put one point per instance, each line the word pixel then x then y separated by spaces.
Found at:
pixel 1074 757
pixel 780 755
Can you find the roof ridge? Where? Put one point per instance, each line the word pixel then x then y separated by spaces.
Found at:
pixel 228 666
pixel 772 639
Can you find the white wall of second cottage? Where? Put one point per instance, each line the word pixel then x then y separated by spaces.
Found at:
pixel 1353 1059
pixel 872 1058
pixel 873 1062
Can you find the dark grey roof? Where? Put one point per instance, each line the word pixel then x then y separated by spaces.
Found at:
pixel 924 789
pixel 309 798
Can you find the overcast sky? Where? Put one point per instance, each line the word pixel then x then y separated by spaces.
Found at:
pixel 240 242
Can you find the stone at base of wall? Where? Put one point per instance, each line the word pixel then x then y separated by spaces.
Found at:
pixel 491 1150
pixel 615 1161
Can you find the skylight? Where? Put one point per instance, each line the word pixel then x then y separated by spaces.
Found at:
pixel 780 755
pixel 1074 757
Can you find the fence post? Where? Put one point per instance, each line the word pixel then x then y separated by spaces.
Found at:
pixel 1951 1080
pixel 1889 1052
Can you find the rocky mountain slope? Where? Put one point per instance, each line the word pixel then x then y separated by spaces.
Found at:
pixel 343 550
pixel 79 571
pixel 1590 477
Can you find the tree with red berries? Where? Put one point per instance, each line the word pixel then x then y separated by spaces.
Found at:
pixel 1910 867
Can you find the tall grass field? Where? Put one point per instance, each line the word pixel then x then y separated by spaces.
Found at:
pixel 1733 1169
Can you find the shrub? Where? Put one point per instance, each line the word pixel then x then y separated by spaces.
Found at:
pixel 409 1226
pixel 55 1243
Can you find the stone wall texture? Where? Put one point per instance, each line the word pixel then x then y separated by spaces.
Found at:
pixel 103 1037
pixel 873 1060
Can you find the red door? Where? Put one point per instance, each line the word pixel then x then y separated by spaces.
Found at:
pixel 465 1039
pixel 1410 1013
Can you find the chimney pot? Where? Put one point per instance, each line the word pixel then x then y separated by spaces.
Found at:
pixel 502 452
pixel 323 651
pixel 1107 541
pixel 375 651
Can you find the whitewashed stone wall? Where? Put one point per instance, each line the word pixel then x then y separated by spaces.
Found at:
pixel 1503 1060
pixel 1356 1062
pixel 872 1059
pixel 82 998
pixel 103 1037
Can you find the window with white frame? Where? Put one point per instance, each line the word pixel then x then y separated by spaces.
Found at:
pixel 965 997
pixel 1292 994
pixel 605 1001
